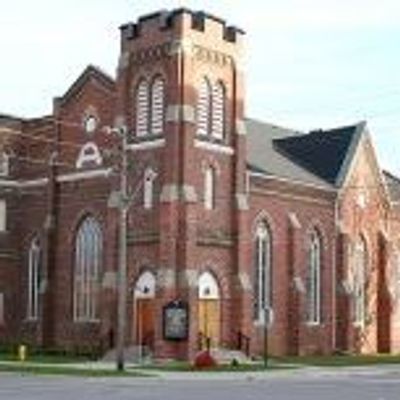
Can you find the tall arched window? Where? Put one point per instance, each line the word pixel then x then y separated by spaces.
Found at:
pixel 34 279
pixel 313 280
pixel 4 163
pixel 148 188
pixel 203 108
pixel 397 280
pixel 359 281
pixel 142 108
pixel 218 110
pixel 88 265
pixel 157 106
pixel 394 286
pixel 262 271
pixel 209 188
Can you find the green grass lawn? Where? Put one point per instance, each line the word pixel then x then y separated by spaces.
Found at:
pixel 181 366
pixel 276 363
pixel 50 364
pixel 45 358
pixel 69 371
pixel 341 360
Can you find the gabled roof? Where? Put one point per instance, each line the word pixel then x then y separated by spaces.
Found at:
pixel 393 185
pixel 317 158
pixel 6 118
pixel 90 72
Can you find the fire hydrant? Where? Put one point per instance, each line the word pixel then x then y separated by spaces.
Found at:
pixel 22 352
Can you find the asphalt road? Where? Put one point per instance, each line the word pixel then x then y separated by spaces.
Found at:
pixel 379 384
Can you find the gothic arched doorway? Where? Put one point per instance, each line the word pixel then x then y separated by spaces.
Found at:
pixel 144 311
pixel 209 312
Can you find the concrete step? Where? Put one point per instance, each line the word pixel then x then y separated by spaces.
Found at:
pixel 132 355
pixel 226 356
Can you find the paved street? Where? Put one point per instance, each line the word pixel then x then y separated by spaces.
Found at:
pixel 367 384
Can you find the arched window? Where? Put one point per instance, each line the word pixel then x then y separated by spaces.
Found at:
pixel 397 280
pixel 148 188
pixel 34 279
pixel 4 163
pixel 262 271
pixel 142 108
pixel 313 280
pixel 209 188
pixel 157 106
pixel 88 265
pixel 218 111
pixel 359 281
pixel 89 155
pixel 203 108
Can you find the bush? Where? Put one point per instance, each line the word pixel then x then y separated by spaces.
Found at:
pixel 234 362
pixel 204 360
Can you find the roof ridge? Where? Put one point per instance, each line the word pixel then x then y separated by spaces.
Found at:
pixel 273 125
pixel 360 125
pixel 101 71
pixel 10 116
pixel 391 175
pixel 89 70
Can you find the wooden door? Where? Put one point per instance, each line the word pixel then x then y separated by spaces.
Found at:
pixel 209 321
pixel 145 322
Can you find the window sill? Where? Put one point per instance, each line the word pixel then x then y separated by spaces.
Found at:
pixel 144 138
pixel 217 147
pixel 149 143
pixel 32 320
pixel 312 324
pixel 87 321
pixel 260 324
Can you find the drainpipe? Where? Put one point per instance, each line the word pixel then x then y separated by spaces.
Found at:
pixel 334 270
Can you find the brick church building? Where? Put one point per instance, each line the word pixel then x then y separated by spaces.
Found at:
pixel 235 219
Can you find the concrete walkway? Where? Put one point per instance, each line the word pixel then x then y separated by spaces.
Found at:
pixel 302 372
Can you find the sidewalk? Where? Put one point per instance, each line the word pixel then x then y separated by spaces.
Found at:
pixel 162 374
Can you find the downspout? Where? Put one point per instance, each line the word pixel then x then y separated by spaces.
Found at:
pixel 334 269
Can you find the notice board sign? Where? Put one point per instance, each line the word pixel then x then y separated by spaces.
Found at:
pixel 175 320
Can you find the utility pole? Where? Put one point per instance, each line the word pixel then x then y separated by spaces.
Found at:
pixel 123 201
pixel 123 205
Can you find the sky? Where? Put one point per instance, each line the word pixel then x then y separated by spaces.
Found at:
pixel 309 63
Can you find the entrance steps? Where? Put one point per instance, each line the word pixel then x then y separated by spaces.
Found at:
pixel 142 355
pixel 227 356
pixel 132 355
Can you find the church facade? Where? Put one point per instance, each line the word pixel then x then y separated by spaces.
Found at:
pixel 240 222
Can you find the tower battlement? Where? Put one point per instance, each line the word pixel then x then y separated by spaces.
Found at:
pixel 174 20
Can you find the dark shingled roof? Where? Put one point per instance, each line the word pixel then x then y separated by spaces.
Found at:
pixel 320 152
pixel 8 118
pixel 393 184
pixel 313 158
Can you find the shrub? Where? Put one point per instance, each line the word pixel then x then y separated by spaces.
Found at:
pixel 204 360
